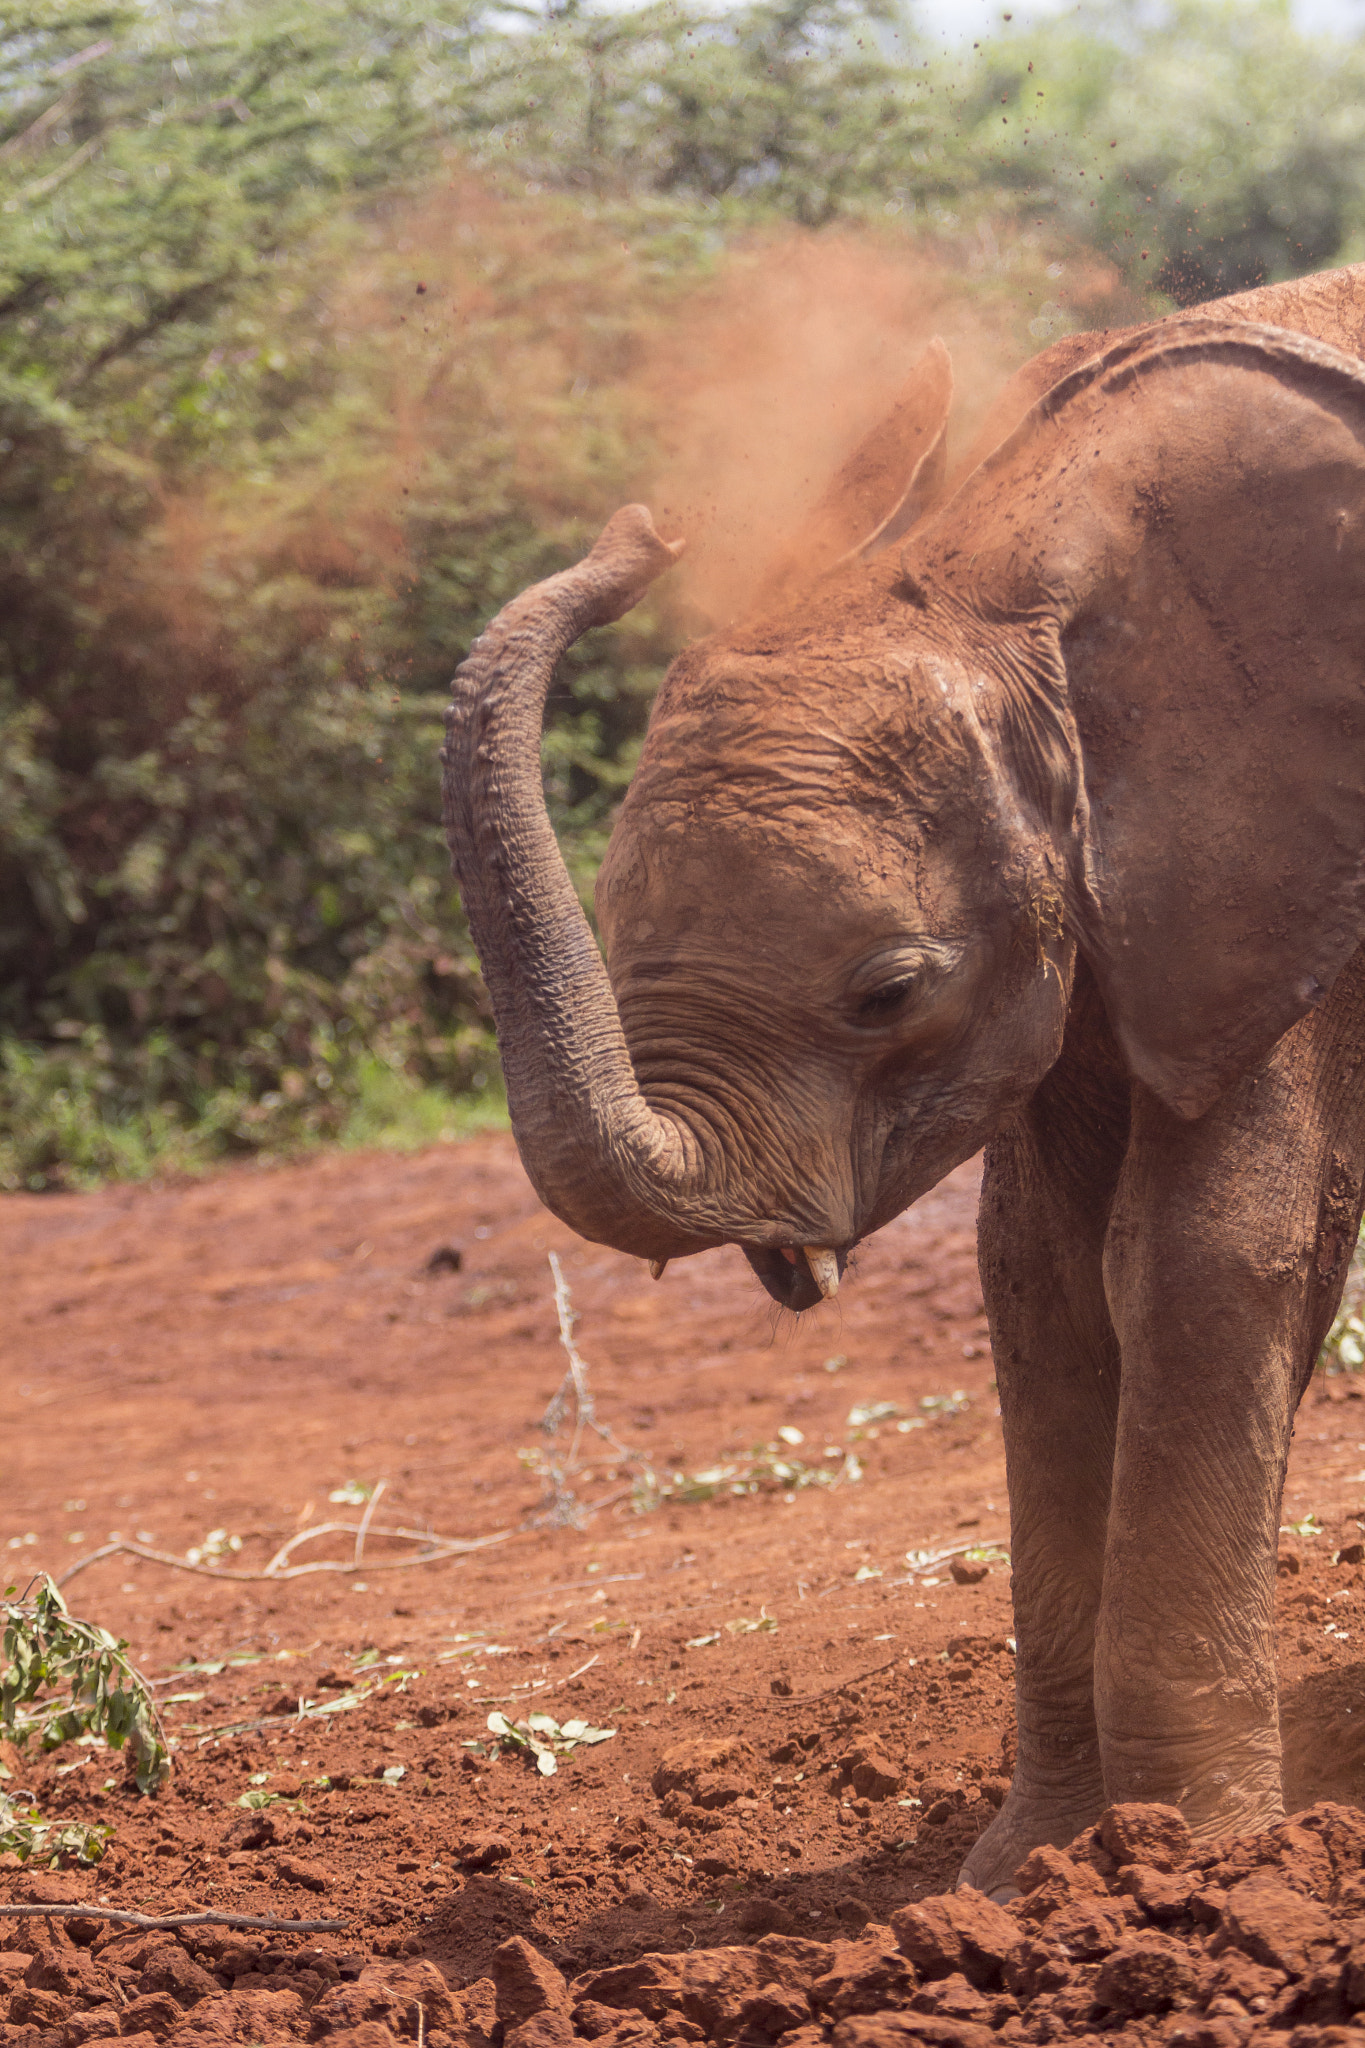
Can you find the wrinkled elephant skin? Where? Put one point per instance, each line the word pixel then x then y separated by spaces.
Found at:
pixel 1027 813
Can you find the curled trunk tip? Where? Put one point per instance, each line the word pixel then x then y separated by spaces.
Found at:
pixel 626 557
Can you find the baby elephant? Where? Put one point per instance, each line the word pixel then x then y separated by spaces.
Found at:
pixel 1029 816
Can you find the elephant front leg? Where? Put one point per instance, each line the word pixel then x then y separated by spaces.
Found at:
pixel 1058 1500
pixel 1227 1245
pixel 1044 1206
pixel 1185 1654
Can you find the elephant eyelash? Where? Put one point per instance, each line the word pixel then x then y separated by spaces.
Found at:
pixel 885 1001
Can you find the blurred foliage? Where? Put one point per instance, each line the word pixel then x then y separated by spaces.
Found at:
pixel 1204 146
pixel 231 609
pixel 807 109
pixel 318 336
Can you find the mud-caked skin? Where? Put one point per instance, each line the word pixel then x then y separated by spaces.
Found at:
pixel 1036 822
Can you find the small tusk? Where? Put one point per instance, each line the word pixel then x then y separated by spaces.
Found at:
pixel 824 1268
pixel 657 1268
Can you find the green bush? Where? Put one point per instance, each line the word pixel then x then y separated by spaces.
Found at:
pixel 224 897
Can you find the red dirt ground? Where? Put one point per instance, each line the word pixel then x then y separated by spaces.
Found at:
pixel 226 1355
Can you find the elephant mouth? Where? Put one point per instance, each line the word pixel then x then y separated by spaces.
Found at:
pixel 785 1271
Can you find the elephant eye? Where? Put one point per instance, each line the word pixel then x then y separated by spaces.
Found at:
pixel 882 1004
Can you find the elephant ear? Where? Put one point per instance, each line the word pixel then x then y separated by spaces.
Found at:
pixel 892 478
pixel 1182 521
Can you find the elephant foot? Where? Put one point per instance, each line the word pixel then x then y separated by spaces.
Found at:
pixel 1225 1779
pixel 1024 1822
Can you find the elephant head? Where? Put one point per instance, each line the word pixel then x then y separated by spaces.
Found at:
pixel 1109 696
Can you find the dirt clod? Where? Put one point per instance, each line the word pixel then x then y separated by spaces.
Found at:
pixel 1161 1894
pixel 483 1852
pixel 526 1983
pixel 1090 1928
pixel 1275 1925
pixel 170 1970
pixel 1151 1834
pixel 870 1975
pixel 962 1931
pixel 550 2028
pixel 309 1877
pixel 716 1768
pixel 1049 1879
pixel 1146 1973
pixel 898 2029
pixel 476 2013
pixel 871 1772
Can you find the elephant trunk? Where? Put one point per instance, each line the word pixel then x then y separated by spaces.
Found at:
pixel 596 1153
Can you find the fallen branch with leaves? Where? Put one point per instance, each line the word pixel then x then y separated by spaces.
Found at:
pixel 91 1686
pixel 64 1680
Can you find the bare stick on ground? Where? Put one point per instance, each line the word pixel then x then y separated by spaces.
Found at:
pixel 573 1398
pixel 434 1549
pixel 122 1916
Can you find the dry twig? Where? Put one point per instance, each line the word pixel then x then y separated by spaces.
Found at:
pixel 371 1504
pixel 561 1508
pixel 804 1699
pixel 435 1548
pixel 158 1920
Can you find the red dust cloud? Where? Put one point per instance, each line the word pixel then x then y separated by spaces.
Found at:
pixel 775 374
pixel 771 375
pixel 497 356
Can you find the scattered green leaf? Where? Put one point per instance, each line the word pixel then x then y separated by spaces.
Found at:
pixel 864 1412
pixel 25 1834
pixel 769 1468
pixel 257 1801
pixel 217 1544
pixel 765 1625
pixel 542 1738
